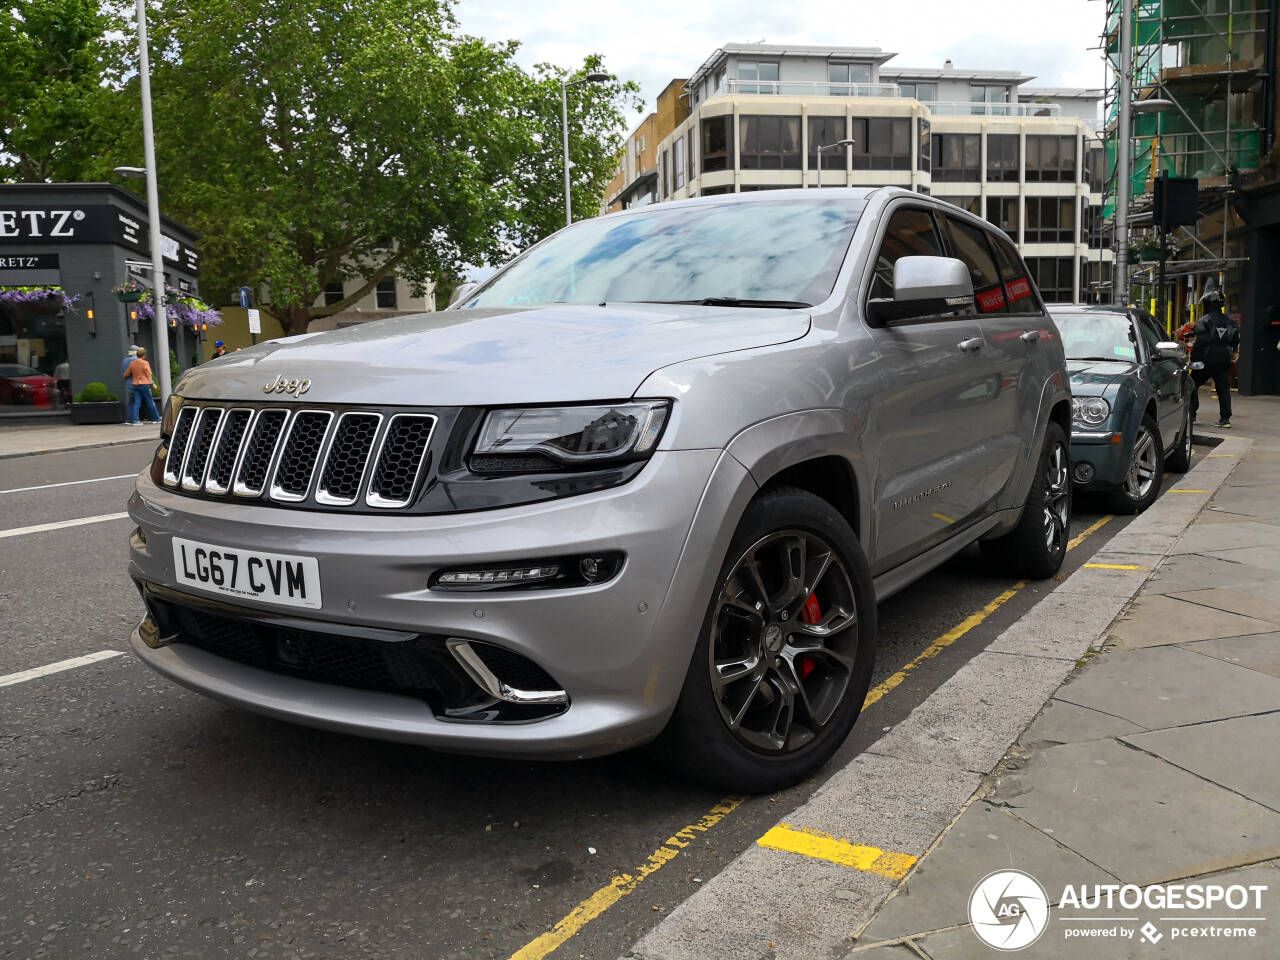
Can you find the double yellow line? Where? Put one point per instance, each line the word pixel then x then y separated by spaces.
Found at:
pixel 800 840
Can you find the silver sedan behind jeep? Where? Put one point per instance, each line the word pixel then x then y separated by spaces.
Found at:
pixel 647 483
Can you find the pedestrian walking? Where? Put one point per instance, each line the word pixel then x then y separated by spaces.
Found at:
pixel 128 358
pixel 62 373
pixel 219 349
pixel 1217 344
pixel 138 377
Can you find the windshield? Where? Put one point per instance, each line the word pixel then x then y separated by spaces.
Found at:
pixel 1096 336
pixel 788 251
pixel 16 370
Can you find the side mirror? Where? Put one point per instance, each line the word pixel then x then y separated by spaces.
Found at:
pixel 923 287
pixel 1169 350
pixel 461 292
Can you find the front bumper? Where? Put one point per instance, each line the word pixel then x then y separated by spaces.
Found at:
pixel 1106 452
pixel 618 649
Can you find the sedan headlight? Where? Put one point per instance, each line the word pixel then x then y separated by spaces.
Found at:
pixel 1090 411
pixel 525 439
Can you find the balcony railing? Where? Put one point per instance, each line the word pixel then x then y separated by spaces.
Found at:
pixel 794 88
pixel 960 109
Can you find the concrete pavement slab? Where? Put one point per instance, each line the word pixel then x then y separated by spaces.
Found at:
pixel 1227 752
pixel 1063 722
pixel 1065 625
pixel 25 441
pixel 1235 601
pixel 983 840
pixel 1260 652
pixel 1093 795
pixel 1266 558
pixel 1157 620
pixel 1206 538
pixel 1196 572
pixel 1169 686
pixel 969 722
pixel 1246 500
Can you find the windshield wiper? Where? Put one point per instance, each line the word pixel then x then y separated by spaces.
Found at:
pixel 739 302
pixel 1100 359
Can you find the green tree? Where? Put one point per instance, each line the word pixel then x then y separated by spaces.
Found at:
pixel 50 72
pixel 316 142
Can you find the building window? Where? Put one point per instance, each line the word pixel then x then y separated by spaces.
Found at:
pixel 1096 234
pixel 847 73
pixel 715 191
pixel 1096 168
pixel 769 143
pixel 1003 212
pixel 715 144
pixel 984 95
pixel 924 92
pixel 1051 220
pixel 717 84
pixel 824 131
pixel 972 204
pixel 677 161
pixel 1051 159
pixel 957 156
pixel 926 144
pixel 386 293
pixel 1002 158
pixel 882 143
pixel 642 143
pixel 333 293
pixel 1099 279
pixel 1053 276
pixel 693 170
pixel 766 73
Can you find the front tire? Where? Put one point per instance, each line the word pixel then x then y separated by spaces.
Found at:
pixel 1038 544
pixel 1141 484
pixel 784 657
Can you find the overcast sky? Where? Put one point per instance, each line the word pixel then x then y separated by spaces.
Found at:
pixel 652 41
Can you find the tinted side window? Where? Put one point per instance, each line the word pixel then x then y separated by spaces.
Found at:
pixel 1150 334
pixel 970 244
pixel 1020 293
pixel 911 233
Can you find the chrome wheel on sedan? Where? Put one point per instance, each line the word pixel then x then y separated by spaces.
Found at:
pixel 1057 498
pixel 1141 484
pixel 782 647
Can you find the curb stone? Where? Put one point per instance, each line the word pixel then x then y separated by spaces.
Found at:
pixel 908 787
pixel 79 446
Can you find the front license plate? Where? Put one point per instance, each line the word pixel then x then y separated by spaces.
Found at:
pixel 270 577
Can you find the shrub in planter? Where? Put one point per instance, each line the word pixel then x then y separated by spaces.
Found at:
pixel 96 404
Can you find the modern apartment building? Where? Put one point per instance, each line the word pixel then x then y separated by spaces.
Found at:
pixel 757 114
pixel 636 180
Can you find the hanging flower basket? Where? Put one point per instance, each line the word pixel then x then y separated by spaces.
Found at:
pixel 180 308
pixel 38 299
pixel 1150 253
pixel 129 292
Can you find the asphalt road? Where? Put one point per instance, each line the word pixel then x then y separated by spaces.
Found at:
pixel 141 820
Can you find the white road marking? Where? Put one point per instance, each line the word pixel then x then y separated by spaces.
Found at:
pixel 69 483
pixel 41 527
pixel 37 672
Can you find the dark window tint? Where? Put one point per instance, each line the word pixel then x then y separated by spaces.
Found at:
pixel 1050 159
pixel 693 169
pixel 386 293
pixel 926 145
pixel 769 143
pixel 1096 234
pixel 1002 158
pixel 1053 276
pixel 972 204
pixel 957 156
pixel 911 233
pixel 333 293
pixel 1096 163
pixel 1019 292
pixel 883 143
pixel 824 131
pixel 1003 212
pixel 1051 220
pixel 715 144
pixel 971 246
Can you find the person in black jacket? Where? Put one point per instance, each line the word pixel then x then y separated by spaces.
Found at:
pixel 1217 343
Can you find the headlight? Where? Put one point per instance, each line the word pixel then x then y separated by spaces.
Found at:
pixel 523 440
pixel 1091 411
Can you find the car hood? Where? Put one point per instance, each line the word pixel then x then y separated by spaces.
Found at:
pixel 1091 377
pixel 555 354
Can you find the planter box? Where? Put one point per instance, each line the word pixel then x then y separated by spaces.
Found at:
pixel 111 412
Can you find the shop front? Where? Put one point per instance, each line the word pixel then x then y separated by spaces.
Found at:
pixel 64 251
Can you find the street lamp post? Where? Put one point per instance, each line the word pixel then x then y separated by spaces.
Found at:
pixel 161 338
pixel 830 146
pixel 595 76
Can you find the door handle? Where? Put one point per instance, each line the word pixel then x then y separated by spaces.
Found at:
pixel 1031 336
pixel 971 345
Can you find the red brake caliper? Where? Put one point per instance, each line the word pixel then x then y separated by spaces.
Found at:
pixel 811 613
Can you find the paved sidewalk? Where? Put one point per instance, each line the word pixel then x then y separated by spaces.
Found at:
pixel 30 439
pixel 1125 731
pixel 1154 764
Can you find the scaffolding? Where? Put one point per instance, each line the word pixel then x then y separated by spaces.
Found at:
pixel 1208 59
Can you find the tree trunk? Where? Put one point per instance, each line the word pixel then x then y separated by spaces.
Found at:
pixel 295 319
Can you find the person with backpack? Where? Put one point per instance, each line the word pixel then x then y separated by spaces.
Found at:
pixel 1217 344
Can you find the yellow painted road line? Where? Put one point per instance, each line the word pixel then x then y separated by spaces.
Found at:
pixel 823 846
pixel 1190 491
pixel 1115 566
pixel 1087 532
pixel 623 884
pixel 1227 455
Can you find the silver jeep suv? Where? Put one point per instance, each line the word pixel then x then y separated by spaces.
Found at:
pixel 645 484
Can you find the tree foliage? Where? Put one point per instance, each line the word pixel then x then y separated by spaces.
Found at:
pixel 50 72
pixel 317 142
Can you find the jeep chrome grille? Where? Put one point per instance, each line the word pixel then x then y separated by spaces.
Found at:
pixel 299 456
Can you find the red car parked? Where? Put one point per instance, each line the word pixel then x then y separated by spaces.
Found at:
pixel 22 386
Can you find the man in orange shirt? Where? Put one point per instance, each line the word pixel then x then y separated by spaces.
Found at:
pixel 138 377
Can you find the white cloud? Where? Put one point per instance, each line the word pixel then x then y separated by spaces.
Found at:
pixel 652 41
